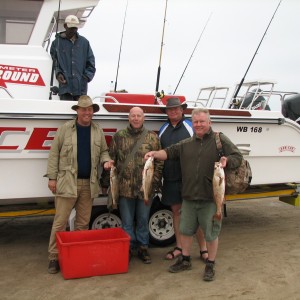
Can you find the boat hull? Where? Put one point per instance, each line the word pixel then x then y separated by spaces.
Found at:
pixel 268 141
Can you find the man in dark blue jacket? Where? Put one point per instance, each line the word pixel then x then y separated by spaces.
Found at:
pixel 74 61
pixel 176 129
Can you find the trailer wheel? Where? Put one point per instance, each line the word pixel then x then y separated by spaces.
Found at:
pixel 101 218
pixel 161 225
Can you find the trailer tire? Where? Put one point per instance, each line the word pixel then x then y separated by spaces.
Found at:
pixel 101 218
pixel 161 226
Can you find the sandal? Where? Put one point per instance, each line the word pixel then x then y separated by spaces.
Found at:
pixel 201 255
pixel 171 252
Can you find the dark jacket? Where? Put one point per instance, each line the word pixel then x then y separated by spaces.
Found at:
pixel 170 135
pixel 197 158
pixel 75 61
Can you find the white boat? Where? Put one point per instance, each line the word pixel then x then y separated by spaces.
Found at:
pixel 29 120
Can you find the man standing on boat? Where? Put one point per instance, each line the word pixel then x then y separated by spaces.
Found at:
pixel 74 61
pixel 78 148
pixel 177 128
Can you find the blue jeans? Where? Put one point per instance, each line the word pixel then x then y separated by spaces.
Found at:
pixel 137 227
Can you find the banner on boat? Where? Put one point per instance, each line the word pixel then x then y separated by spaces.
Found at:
pixel 20 75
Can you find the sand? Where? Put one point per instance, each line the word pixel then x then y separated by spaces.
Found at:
pixel 258 258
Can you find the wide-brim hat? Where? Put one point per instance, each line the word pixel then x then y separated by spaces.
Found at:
pixel 86 101
pixel 72 21
pixel 173 102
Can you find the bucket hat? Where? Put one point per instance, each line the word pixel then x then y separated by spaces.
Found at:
pixel 86 101
pixel 173 102
pixel 72 21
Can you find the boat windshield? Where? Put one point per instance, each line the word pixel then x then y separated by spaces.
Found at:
pixel 17 20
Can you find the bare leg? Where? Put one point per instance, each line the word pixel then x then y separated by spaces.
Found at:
pixel 212 249
pixel 176 219
pixel 186 242
pixel 202 243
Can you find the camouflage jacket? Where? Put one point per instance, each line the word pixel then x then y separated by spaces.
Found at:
pixel 130 181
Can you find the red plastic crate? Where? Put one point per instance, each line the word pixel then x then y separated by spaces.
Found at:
pixel 89 253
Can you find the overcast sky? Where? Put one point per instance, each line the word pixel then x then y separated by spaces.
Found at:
pixel 223 54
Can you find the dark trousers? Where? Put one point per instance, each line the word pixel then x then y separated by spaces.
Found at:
pixel 69 97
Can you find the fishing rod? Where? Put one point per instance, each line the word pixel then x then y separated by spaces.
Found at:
pixel 192 53
pixel 160 56
pixel 242 81
pixel 116 81
pixel 54 89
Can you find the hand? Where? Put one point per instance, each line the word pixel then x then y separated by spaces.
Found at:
pixel 149 154
pixel 223 161
pixel 108 164
pixel 61 79
pixel 52 185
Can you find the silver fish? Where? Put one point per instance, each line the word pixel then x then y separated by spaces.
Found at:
pixel 148 173
pixel 114 186
pixel 219 188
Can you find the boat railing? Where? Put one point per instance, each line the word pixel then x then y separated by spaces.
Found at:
pixel 104 97
pixel 252 95
pixel 209 95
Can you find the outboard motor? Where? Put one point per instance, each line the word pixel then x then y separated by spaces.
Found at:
pixel 258 104
pixel 291 108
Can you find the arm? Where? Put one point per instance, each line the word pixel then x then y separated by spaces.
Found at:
pixel 159 155
pixel 233 156
pixel 90 68
pixel 105 159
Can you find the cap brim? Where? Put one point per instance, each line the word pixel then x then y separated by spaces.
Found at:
pixel 96 107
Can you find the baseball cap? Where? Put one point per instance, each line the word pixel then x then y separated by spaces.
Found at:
pixel 72 21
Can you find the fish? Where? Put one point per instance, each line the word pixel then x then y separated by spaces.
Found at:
pixel 219 189
pixel 148 173
pixel 114 186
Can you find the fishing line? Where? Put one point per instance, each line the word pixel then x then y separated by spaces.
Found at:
pixel 116 81
pixel 192 53
pixel 242 81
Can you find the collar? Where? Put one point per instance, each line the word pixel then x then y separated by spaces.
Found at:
pixel 135 131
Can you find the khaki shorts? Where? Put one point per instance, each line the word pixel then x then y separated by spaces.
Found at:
pixel 196 214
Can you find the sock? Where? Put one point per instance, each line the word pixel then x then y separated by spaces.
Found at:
pixel 187 258
pixel 211 262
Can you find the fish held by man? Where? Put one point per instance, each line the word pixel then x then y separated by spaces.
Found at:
pixel 114 186
pixel 148 173
pixel 218 188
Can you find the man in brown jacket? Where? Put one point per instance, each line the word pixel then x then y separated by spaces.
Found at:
pixel 77 150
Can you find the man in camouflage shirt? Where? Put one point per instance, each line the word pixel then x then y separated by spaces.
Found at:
pixel 131 200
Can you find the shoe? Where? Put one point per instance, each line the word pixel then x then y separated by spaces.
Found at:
pixel 53 267
pixel 209 272
pixel 180 265
pixel 172 253
pixel 143 254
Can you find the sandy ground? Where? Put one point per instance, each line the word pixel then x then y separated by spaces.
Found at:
pixel 258 258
